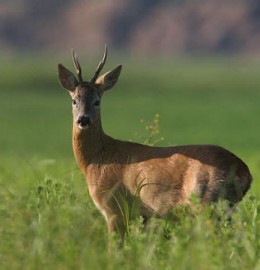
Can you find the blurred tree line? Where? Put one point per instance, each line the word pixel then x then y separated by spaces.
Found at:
pixel 145 26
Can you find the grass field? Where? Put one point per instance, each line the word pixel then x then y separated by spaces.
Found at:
pixel 47 218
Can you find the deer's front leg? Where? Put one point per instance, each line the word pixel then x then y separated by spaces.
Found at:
pixel 115 225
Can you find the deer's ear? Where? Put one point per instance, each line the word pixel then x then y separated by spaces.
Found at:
pixel 67 79
pixel 109 79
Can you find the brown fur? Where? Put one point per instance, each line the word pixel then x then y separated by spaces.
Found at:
pixel 156 178
pixel 160 177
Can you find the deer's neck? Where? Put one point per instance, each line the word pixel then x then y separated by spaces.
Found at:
pixel 88 144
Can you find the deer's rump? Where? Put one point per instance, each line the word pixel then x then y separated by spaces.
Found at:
pixel 171 175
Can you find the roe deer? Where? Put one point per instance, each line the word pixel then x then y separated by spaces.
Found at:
pixel 160 177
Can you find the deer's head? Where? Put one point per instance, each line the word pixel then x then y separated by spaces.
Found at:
pixel 86 95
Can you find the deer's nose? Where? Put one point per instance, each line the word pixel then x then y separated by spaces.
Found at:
pixel 83 121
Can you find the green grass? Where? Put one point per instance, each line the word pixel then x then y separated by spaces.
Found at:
pixel 48 220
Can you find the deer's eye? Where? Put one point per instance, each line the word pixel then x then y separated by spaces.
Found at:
pixel 74 102
pixel 97 103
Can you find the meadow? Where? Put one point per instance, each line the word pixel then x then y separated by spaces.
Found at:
pixel 48 220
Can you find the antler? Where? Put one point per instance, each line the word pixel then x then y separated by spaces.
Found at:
pixel 100 65
pixel 76 65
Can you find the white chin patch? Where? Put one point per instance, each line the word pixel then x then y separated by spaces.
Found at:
pixel 83 127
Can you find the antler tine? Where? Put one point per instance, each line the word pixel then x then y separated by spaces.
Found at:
pixel 76 65
pixel 100 65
